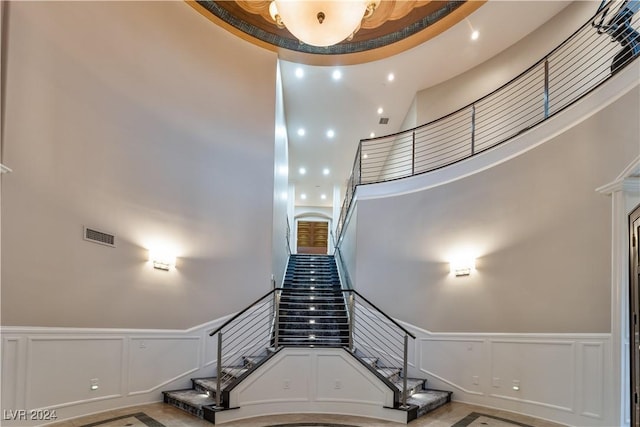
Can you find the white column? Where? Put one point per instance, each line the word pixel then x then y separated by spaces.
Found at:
pixel 625 196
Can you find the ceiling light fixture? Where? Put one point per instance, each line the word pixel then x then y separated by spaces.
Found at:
pixel 325 171
pixel 299 73
pixel 323 196
pixel 336 75
pixel 391 77
pixel 301 132
pixel 372 135
pixel 330 133
pixel 380 110
pixel 303 196
pixel 321 23
pixel 302 171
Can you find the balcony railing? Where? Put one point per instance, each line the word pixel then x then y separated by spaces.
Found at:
pixel 604 45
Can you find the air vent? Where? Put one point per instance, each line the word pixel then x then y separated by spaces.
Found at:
pixel 384 120
pixel 99 237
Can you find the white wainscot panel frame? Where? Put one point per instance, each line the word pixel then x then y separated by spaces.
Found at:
pixel 564 378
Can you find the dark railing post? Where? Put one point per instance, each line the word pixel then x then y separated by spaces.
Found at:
pixel 350 322
pixel 546 88
pixel 360 162
pixel 276 326
pixel 404 371
pixel 413 153
pixel 219 369
pixel 473 129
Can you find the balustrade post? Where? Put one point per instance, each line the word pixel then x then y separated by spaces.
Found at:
pixel 404 371
pixel 276 326
pixel 473 129
pixel 351 312
pixel 546 88
pixel 219 373
pixel 413 153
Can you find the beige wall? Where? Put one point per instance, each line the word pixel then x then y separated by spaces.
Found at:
pixel 539 230
pixel 123 116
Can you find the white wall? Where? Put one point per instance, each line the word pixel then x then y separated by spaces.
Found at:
pixel 455 93
pixel 122 116
pixel 539 231
pixel 280 188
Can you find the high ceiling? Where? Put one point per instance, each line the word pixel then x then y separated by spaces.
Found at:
pixel 317 103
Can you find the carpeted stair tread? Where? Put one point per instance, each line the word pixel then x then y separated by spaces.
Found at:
pixel 428 400
pixel 190 401
pixel 388 372
pixel 415 384
pixel 234 372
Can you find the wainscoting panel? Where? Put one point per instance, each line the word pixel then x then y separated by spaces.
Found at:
pixel 175 357
pixel 593 379
pixel 55 368
pixel 453 360
pixel 10 366
pixel 564 378
pixel 542 372
pixel 69 365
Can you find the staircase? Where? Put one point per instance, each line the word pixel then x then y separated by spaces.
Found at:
pixel 310 310
pixel 312 306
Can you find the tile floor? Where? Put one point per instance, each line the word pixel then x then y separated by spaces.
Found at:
pixel 169 416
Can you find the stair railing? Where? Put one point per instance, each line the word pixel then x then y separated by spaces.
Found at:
pixel 374 334
pixel 252 332
pixel 575 68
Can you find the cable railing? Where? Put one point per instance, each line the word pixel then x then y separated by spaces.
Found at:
pixel 584 61
pixel 250 337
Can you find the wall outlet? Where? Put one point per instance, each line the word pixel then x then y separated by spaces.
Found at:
pixel 94 384
pixel 476 380
pixel 286 384
pixel 496 382
pixel 338 385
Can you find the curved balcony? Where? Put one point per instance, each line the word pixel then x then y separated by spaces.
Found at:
pixel 594 53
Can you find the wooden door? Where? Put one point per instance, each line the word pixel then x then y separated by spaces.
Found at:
pixel 312 237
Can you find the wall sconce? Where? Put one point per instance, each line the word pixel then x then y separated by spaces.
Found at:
pixel 162 260
pixel 462 266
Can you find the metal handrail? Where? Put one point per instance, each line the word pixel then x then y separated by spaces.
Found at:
pixel 254 332
pixel 572 70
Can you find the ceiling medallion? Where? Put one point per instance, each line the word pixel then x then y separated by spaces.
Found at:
pixel 335 27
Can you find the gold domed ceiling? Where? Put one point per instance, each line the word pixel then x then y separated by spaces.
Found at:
pixel 392 27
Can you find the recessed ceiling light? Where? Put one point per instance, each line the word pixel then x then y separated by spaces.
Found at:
pixel 323 196
pixel 372 135
pixel 380 110
pixel 391 77
pixel 365 156
pixel 301 131
pixel 330 133
pixel 299 73
pixel 302 171
pixel 474 35
pixel 325 171
pixel 303 196
pixel 336 75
